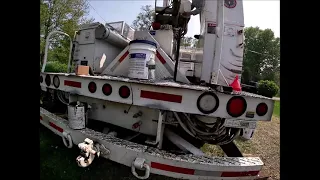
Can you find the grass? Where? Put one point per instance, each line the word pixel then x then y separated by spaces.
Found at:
pixel 58 162
pixel 276 109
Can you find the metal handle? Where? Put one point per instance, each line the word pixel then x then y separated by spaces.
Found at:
pixel 47 46
pixel 241 44
pixel 140 163
pixel 65 137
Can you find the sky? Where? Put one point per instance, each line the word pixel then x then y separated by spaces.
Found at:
pixel 262 13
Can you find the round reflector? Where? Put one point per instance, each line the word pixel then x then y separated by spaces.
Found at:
pixel 107 89
pixel 124 91
pixel 236 106
pixel 92 87
pixel 41 79
pixel 208 102
pixel 262 109
pixel 48 80
pixel 56 81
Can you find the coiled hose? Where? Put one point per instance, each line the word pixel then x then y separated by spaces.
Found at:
pixel 216 134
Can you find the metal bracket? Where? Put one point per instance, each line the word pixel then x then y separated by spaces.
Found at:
pixel 160 131
pixel 231 150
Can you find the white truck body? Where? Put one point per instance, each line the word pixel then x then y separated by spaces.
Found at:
pixel 159 107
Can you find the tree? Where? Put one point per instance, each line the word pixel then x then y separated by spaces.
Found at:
pixel 261 55
pixel 196 43
pixel 187 41
pixel 144 19
pixel 61 15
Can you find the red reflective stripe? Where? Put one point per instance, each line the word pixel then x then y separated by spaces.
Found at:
pixel 41 118
pixel 72 83
pixel 239 174
pixel 56 127
pixel 123 56
pixel 161 96
pixel 175 169
pixel 160 58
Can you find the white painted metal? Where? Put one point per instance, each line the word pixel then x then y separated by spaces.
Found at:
pixel 94 49
pixel 216 62
pixel 113 113
pixel 165 40
pixel 189 95
pixel 123 28
pixel 159 128
pixel 226 42
pixel 125 152
pixel 119 66
pixel 47 47
pixel 219 44
pixel 208 41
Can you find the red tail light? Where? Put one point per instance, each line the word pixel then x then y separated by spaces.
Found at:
pixel 48 80
pixel 156 25
pixel 107 89
pixel 236 106
pixel 124 91
pixel 262 109
pixel 92 87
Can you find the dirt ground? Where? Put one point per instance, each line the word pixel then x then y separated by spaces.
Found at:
pixel 266 141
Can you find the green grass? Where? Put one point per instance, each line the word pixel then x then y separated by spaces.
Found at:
pixel 276 109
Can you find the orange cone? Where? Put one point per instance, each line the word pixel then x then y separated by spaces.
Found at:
pixel 236 84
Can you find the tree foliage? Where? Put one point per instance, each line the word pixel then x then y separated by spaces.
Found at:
pixel 61 15
pixel 187 41
pixel 262 55
pixel 144 19
pixel 267 88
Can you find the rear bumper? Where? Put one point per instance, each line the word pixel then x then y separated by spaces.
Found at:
pixel 159 161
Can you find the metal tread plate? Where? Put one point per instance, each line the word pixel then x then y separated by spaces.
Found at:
pixel 189 158
pixel 214 161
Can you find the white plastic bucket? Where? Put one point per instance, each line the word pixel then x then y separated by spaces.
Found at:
pixel 141 56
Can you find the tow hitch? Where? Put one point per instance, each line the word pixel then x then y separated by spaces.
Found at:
pixel 88 153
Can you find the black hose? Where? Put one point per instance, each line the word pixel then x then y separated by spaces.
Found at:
pixel 178 37
pixel 218 134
